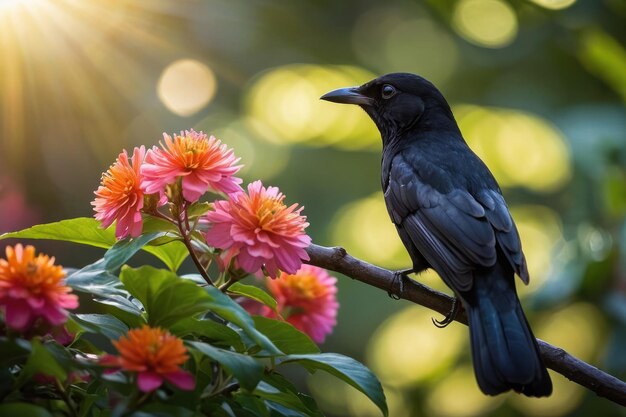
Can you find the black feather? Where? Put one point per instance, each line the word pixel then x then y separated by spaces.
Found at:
pixel 451 216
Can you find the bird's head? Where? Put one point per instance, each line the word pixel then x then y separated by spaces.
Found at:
pixel 397 103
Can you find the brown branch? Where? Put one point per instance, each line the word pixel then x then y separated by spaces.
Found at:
pixel 337 259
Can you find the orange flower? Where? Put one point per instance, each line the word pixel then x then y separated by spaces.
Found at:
pixel 31 287
pixel 155 355
pixel 120 196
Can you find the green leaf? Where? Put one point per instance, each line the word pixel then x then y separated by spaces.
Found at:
pixel 105 287
pixel 123 250
pixel 346 369
pixel 40 361
pixel 23 410
pixel 286 337
pixel 277 389
pixel 172 254
pixel 250 403
pixel 198 209
pixel 103 324
pixel 253 292
pixel 210 329
pixel 163 410
pixel 226 308
pixel 13 350
pixel 246 369
pixel 84 230
pixel 87 231
pixel 166 297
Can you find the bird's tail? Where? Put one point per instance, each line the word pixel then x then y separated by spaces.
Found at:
pixel 504 350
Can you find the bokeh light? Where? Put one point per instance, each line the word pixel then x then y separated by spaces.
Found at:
pixel 579 329
pixel 259 160
pixel 554 4
pixel 407 348
pixel 458 395
pixel 541 232
pixel 521 149
pixel 7 5
pixel 486 23
pixel 605 56
pixel 363 227
pixel 283 107
pixel 595 243
pixel 390 39
pixel 186 86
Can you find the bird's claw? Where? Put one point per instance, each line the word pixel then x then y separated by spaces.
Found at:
pixel 398 276
pixel 450 317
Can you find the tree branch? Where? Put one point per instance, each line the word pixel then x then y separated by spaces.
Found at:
pixel 557 359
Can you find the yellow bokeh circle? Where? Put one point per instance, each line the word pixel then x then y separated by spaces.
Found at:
pixel 521 149
pixel 283 106
pixel 407 349
pixel 364 228
pixel 458 395
pixel 487 23
pixel 554 4
pixel 186 86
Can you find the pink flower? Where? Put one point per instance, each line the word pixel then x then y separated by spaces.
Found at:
pixel 155 355
pixel 31 287
pixel 307 300
pixel 202 162
pixel 120 196
pixel 260 230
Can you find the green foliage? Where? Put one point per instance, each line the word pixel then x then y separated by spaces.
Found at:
pixel 346 369
pixel 286 337
pixel 253 292
pixel 235 359
pixel 87 231
pixel 23 410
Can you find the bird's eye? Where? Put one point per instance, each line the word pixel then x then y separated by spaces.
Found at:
pixel 388 91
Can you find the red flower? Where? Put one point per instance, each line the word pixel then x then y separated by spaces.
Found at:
pixel 155 355
pixel 32 287
pixel 260 230
pixel 120 196
pixel 306 299
pixel 202 162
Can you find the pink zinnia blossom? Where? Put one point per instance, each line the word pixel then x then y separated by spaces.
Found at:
pixel 203 163
pixel 155 355
pixel 120 196
pixel 260 230
pixel 31 288
pixel 307 300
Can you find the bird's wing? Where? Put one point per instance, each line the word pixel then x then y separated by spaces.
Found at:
pixel 454 231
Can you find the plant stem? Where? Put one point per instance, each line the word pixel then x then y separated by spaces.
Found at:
pixel 225 286
pixel 192 252
pixel 66 399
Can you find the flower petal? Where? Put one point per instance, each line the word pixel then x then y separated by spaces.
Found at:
pixel 182 379
pixel 149 381
pixel 18 314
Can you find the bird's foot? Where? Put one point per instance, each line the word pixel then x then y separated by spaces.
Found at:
pixel 449 318
pixel 399 277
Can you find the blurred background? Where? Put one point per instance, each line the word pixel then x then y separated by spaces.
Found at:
pixel 538 88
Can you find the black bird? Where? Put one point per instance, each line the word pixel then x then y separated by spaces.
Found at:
pixel 451 216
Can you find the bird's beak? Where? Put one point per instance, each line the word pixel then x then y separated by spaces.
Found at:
pixel 349 95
